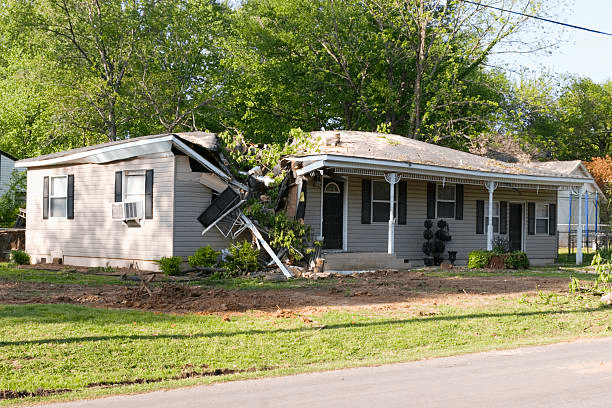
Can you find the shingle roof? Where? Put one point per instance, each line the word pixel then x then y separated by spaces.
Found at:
pixel 402 149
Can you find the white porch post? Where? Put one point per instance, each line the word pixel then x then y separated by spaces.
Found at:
pixel 320 238
pixel 491 186
pixel 392 179
pixel 579 229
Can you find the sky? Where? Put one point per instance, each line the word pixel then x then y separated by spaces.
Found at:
pixel 579 53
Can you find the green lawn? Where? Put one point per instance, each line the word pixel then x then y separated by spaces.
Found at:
pixel 62 347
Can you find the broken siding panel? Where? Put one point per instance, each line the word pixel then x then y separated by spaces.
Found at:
pixel 93 237
pixel 191 198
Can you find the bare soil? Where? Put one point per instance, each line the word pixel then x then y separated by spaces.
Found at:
pixel 381 290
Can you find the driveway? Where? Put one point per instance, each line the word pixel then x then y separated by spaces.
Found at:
pixel 577 374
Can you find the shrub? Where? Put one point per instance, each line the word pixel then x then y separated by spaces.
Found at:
pixel 20 257
pixel 501 245
pixel 516 260
pixel 242 259
pixel 478 259
pixel 204 257
pixel 170 265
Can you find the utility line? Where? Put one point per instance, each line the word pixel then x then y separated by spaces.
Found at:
pixel 539 18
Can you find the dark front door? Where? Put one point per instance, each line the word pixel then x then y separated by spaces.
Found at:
pixel 332 213
pixel 515 227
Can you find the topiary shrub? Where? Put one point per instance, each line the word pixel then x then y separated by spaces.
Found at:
pixel 479 259
pixel 516 260
pixel 204 257
pixel 242 259
pixel 170 265
pixel 20 257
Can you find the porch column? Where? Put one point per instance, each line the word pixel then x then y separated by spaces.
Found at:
pixel 491 186
pixel 392 179
pixel 320 238
pixel 579 229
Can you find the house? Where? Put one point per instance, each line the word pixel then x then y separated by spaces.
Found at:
pixel 124 203
pixel 349 180
pixel 7 165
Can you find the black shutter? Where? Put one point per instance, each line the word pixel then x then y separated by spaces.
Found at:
pixel 366 203
pixel 480 217
pixel 401 203
pixel 70 198
pixel 149 195
pixel 552 219
pixel 301 207
pixel 45 198
pixel 531 218
pixel 459 201
pixel 118 186
pixel 503 217
pixel 431 200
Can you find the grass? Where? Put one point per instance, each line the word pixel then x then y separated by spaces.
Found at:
pixel 59 347
pixel 66 276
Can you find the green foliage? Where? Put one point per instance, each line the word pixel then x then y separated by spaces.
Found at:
pixel 170 265
pixel 479 259
pixel 282 230
pixel 242 259
pixel 204 257
pixel 516 260
pixel 501 245
pixel 20 257
pixel 13 199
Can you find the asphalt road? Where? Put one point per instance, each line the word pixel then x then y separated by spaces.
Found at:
pixel 577 374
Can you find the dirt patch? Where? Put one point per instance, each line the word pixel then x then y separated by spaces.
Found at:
pixel 380 290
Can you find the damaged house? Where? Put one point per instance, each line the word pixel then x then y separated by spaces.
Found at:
pixel 346 181
pixel 128 203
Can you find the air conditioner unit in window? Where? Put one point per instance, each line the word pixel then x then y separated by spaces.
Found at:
pixel 128 211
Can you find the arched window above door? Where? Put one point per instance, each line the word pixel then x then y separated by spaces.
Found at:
pixel 332 188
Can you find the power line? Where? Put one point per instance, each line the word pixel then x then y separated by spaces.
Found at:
pixel 539 18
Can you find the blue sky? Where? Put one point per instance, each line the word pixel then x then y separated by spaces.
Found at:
pixel 580 53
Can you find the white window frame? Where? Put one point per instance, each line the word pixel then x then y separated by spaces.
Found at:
pixel 454 200
pixel 496 217
pixel 387 201
pixel 539 206
pixel 52 197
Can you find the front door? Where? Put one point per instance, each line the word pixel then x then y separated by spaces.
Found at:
pixel 515 227
pixel 333 213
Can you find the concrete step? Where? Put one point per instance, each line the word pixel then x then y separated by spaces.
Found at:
pixel 359 261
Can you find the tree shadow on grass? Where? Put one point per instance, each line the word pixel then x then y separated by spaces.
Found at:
pixel 338 326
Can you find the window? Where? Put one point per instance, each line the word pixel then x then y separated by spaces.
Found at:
pixel 380 201
pixel 134 186
pixel 541 218
pixel 58 196
pixel 445 201
pixel 495 216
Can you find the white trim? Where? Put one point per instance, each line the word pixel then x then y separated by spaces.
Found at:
pixel 311 167
pixel 81 155
pixel 345 216
pixel 52 197
pixel 375 164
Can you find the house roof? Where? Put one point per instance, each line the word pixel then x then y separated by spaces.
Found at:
pixel 366 149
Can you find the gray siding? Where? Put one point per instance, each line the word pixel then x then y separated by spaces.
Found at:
pixel 93 238
pixel 6 169
pixel 409 237
pixel 191 198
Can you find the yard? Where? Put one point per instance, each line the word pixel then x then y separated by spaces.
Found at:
pixel 66 334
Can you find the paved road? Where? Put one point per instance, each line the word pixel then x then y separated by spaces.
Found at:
pixel 573 375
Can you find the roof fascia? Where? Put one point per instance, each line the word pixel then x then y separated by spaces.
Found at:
pixel 81 156
pixel 376 164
